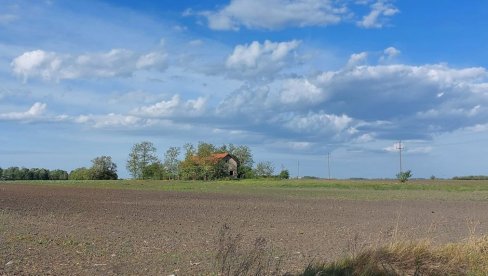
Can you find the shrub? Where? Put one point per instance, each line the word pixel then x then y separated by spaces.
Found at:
pixel 404 176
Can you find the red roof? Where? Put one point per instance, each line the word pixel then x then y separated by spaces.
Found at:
pixel 219 155
pixel 214 158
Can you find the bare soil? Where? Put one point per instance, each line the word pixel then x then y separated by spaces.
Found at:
pixel 77 231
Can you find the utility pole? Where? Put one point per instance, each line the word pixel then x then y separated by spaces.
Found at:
pixel 298 166
pixel 328 163
pixel 400 150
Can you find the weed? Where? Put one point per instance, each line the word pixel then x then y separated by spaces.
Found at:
pixel 234 259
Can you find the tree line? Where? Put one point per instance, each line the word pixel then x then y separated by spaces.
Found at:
pixel 143 162
pixel 102 169
pixel 16 173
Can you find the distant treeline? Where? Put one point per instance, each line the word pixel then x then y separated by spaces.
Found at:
pixel 16 173
pixel 471 177
pixel 102 169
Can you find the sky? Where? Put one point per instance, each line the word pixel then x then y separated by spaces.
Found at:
pixel 295 81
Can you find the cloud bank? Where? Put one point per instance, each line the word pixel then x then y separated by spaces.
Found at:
pixel 279 14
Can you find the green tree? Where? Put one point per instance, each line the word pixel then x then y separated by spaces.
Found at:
pixel 284 174
pixel 1 174
pixel 264 169
pixel 142 155
pixel 80 174
pixel 154 171
pixel 103 169
pixel 25 174
pixel 404 176
pixel 58 175
pixel 204 161
pixel 11 173
pixel 188 167
pixel 171 162
pixel 205 149
pixel 43 174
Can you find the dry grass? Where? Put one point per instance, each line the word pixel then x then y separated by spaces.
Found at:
pixel 395 258
pixel 235 259
pixel 412 258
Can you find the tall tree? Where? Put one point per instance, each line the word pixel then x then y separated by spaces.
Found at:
pixel 103 168
pixel 205 149
pixel 244 156
pixel 142 155
pixel 189 151
pixel 171 162
pixel 264 169
pixel 205 162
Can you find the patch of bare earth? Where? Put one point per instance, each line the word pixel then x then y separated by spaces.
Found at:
pixel 53 230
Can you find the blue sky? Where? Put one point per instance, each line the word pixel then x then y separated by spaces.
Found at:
pixel 293 80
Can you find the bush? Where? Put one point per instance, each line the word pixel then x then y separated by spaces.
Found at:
pixel 284 174
pixel 404 176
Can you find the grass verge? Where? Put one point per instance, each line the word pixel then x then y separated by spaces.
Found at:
pixel 334 189
pixel 412 258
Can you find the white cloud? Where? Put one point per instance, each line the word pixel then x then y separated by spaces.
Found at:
pixel 318 123
pixel 38 62
pixel 172 108
pixel 36 111
pixel 110 120
pixel 261 59
pixel 376 17
pixel 357 59
pixel 364 102
pixel 297 91
pixel 153 60
pixel 393 148
pixel 54 66
pixel 389 54
pixel 275 14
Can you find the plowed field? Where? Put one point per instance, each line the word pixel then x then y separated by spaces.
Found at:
pixel 88 231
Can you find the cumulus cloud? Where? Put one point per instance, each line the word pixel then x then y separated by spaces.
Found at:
pixel 357 59
pixel 377 17
pixel 389 53
pixel 275 14
pixel 300 91
pixel 36 111
pixel 172 108
pixel 365 102
pixel 261 58
pixel 115 63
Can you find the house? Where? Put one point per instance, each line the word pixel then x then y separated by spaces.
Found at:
pixel 230 161
pixel 227 165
